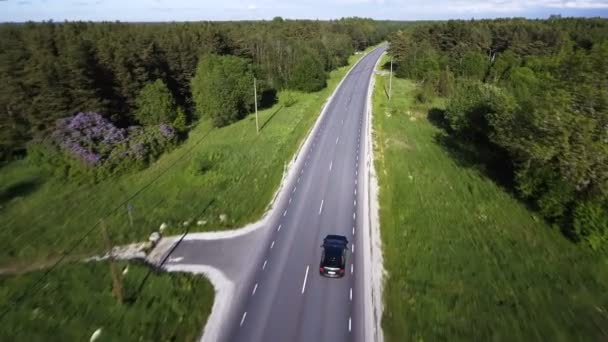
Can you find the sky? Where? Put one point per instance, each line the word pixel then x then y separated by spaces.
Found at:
pixel 194 10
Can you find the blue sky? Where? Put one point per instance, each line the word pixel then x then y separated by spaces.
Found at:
pixel 182 10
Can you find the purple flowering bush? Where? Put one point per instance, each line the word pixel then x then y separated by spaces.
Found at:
pixel 89 145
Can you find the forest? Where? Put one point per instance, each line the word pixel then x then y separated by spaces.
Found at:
pixel 528 100
pixel 90 100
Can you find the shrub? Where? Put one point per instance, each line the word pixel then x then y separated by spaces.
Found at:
pixel 89 146
pixel 287 98
pixel 591 223
pixel 474 106
pixel 425 93
pixel 155 104
pixel 308 74
pixel 222 88
pixel 180 123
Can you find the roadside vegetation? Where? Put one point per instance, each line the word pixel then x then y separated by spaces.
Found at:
pixel 221 176
pixel 467 259
pixel 528 100
pixel 76 301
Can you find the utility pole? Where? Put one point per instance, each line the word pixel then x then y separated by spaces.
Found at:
pixel 116 280
pixel 255 98
pixel 130 212
pixel 390 82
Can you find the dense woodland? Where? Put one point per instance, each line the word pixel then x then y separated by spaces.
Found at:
pixel 529 101
pixel 66 85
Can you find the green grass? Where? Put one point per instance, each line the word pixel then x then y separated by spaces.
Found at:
pixel 465 260
pixel 231 171
pixel 76 300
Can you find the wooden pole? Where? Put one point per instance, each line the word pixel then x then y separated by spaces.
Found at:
pixel 255 98
pixel 390 82
pixel 116 280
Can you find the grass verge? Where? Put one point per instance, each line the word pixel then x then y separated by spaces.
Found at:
pixel 76 300
pixel 223 178
pixel 465 260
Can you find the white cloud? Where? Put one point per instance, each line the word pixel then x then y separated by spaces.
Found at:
pixel 143 10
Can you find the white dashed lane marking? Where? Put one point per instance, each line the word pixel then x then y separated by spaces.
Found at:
pixel 321 207
pixel 256 287
pixel 272 245
pixel 264 266
pixel 279 228
pixel 243 319
pixel 305 277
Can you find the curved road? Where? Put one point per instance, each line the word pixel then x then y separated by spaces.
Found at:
pixel 286 299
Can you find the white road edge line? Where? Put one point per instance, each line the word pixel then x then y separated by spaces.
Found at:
pixel 321 207
pixel 305 277
pixel 243 319
pixel 256 287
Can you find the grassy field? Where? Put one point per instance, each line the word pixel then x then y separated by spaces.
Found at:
pixel 77 300
pixel 466 261
pixel 230 171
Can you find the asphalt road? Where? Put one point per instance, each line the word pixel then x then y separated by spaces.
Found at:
pixel 284 298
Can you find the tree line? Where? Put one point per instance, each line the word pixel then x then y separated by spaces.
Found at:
pixel 530 97
pixel 141 74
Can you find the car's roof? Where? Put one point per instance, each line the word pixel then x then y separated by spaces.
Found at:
pixel 333 256
pixel 332 250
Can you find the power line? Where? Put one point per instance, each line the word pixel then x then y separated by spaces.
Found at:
pixel 34 287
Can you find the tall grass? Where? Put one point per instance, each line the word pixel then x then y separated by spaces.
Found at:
pixel 76 300
pixel 466 261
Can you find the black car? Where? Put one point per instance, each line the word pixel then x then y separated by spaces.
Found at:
pixel 333 259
